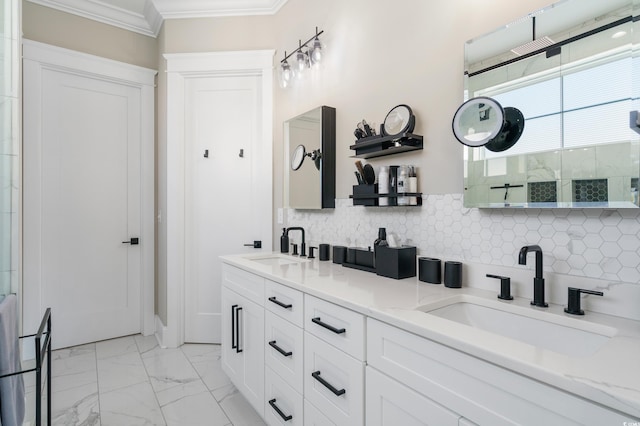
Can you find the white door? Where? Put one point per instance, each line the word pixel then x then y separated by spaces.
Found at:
pixel 82 192
pixel 223 210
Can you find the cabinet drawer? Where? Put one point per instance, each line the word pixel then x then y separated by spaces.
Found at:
pixel 334 324
pixel 244 283
pixel 333 382
pixel 475 389
pixel 390 403
pixel 283 405
pixel 284 301
pixel 282 336
pixel 313 416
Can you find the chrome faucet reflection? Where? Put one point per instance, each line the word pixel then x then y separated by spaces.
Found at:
pixel 538 281
pixel 302 243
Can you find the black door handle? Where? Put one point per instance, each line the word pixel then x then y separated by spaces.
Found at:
pixel 279 349
pixel 327 326
pixel 336 392
pixel 133 241
pixel 233 327
pixel 256 244
pixel 273 405
pixel 238 309
pixel 279 303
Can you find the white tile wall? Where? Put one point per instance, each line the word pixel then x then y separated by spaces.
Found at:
pixel 595 243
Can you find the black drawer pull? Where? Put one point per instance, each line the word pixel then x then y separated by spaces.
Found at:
pixel 327 326
pixel 337 392
pixel 273 405
pixel 279 303
pixel 233 327
pixel 238 309
pixel 279 349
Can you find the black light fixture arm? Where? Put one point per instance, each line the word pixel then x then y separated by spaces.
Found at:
pixel 301 45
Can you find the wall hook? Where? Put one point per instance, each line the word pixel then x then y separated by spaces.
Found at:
pixel 241 155
pixel 206 153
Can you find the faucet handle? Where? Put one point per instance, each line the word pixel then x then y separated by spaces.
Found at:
pixel 573 300
pixel 295 249
pixel 505 286
pixel 311 249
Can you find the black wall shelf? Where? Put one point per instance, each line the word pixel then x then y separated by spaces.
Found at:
pixel 371 200
pixel 379 146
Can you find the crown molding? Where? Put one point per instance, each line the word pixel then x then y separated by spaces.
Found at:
pixel 147 23
pixel 172 9
pixel 148 20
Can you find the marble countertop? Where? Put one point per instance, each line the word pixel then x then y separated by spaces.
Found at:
pixel 610 376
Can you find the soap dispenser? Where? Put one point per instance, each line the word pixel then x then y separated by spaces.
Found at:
pixel 284 242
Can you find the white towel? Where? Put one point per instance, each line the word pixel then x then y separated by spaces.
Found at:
pixel 11 388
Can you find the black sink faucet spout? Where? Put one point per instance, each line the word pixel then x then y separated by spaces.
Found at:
pixel 302 244
pixel 538 281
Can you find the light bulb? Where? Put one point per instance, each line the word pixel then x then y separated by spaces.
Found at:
pixel 287 74
pixel 301 61
pixel 316 51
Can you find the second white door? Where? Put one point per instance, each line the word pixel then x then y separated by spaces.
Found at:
pixel 223 182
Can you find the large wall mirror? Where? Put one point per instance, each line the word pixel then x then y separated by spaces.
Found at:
pixel 310 159
pixel 573 70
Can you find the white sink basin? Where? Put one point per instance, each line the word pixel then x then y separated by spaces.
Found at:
pixel 278 260
pixel 556 333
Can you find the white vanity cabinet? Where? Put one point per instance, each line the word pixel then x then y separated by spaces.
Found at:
pixel 243 333
pixel 481 392
pixel 334 361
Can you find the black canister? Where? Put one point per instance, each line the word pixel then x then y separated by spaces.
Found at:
pixel 430 270
pixel 284 241
pixel 324 251
pixel 452 274
pixel 339 254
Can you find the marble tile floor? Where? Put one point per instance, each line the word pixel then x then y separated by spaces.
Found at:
pixel 131 381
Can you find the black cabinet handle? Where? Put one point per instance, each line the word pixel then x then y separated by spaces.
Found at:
pixel 279 349
pixel 336 392
pixel 279 303
pixel 233 327
pixel 238 309
pixel 273 405
pixel 327 326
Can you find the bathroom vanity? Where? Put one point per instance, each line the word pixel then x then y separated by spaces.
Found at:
pixel 310 342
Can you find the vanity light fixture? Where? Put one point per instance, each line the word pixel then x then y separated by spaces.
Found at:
pixel 308 54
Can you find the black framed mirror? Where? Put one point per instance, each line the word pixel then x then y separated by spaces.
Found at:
pixel 398 121
pixel 311 183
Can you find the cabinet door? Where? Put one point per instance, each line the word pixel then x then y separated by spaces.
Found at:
pixel 231 358
pixel 251 341
pixel 243 346
pixel 390 403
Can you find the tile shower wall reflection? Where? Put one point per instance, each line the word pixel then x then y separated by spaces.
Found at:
pixel 594 243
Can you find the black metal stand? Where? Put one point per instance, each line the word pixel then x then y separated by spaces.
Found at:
pixel 43 350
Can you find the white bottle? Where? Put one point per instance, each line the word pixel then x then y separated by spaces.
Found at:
pixel 413 185
pixel 383 185
pixel 403 185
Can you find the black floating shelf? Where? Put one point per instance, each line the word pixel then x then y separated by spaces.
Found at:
pixel 378 146
pixel 392 196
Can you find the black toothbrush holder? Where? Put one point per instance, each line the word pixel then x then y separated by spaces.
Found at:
pixel 452 274
pixel 430 270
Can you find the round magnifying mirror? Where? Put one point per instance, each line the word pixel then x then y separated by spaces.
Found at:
pixel 297 157
pixel 398 121
pixel 478 121
pixel 510 132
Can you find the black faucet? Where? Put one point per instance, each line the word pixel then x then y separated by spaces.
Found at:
pixel 538 281
pixel 302 244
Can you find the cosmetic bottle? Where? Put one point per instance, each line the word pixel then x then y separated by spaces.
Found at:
pixel 383 185
pixel 413 185
pixel 379 242
pixel 403 185
pixel 284 241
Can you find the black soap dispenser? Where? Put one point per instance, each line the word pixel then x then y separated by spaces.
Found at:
pixel 284 241
pixel 380 242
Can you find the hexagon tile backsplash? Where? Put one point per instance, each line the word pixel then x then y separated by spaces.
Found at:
pixel 595 243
